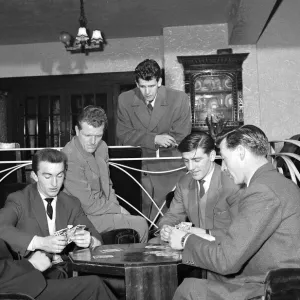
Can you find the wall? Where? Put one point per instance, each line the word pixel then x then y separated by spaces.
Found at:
pixel 278 58
pixel 271 78
pixel 120 55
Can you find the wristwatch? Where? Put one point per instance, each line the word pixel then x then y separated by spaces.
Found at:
pixel 184 238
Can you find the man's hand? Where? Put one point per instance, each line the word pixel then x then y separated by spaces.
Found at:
pixel 165 232
pixel 51 243
pixel 124 211
pixel 164 140
pixel 82 238
pixel 175 239
pixel 40 261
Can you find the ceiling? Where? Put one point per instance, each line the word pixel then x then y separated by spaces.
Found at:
pixel 41 21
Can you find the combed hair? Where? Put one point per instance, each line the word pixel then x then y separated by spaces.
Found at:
pixel 92 115
pixel 147 70
pixel 249 136
pixel 49 155
pixel 197 140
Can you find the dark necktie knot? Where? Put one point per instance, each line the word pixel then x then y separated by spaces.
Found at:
pixel 49 207
pixel 149 105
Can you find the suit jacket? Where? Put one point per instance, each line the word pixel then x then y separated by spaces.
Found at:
pixel 222 195
pixel 264 235
pixel 23 216
pixel 136 127
pixel 19 276
pixel 88 179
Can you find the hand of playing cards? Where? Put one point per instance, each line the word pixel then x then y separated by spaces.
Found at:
pixel 184 226
pixel 69 232
pixel 187 227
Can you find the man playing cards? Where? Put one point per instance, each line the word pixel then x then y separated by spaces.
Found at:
pixel 37 217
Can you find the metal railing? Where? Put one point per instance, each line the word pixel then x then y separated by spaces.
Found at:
pixel 114 163
pixel 288 158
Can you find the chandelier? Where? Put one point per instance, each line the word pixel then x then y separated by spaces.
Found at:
pixel 82 43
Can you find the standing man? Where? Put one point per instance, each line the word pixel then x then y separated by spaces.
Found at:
pixel 154 117
pixel 88 178
pixel 31 216
pixel 25 276
pixel 264 235
pixel 206 195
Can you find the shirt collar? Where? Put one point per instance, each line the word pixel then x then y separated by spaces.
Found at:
pixel 153 101
pixel 43 196
pixel 208 176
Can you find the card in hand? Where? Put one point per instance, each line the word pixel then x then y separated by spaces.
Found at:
pixel 69 232
pixel 80 227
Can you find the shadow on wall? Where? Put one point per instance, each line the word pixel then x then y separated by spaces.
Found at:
pixel 72 64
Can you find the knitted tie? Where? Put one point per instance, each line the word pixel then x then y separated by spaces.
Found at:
pixel 202 191
pixel 49 207
pixel 149 105
pixel 202 204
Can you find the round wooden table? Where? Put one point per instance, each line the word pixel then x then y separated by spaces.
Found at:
pixel 150 273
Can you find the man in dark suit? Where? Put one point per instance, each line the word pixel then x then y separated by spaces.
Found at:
pixel 154 117
pixel 30 217
pixel 25 276
pixel 264 235
pixel 205 195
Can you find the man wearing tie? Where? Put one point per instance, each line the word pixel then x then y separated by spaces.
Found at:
pixel 206 195
pixel 31 216
pixel 153 117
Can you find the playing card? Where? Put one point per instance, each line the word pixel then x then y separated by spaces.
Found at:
pixel 61 232
pixel 56 259
pixel 69 232
pixel 185 226
pixel 157 247
pixel 110 250
pixel 102 256
pixel 80 227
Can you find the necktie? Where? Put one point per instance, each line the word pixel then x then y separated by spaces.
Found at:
pixel 202 204
pixel 149 105
pixel 49 207
pixel 202 191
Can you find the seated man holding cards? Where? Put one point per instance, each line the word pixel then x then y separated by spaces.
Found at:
pixel 30 217
pixel 205 195
pixel 263 235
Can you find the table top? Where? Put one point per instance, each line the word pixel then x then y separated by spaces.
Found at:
pixel 126 255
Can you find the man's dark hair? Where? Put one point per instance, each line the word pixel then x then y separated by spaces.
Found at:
pixel 249 136
pixel 197 140
pixel 48 155
pixel 147 70
pixel 92 115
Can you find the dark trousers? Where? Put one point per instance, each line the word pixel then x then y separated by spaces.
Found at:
pixel 80 288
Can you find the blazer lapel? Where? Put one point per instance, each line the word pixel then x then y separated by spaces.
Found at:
pixel 103 175
pixel 193 204
pixel 39 210
pixel 89 158
pixel 213 195
pixel 159 109
pixel 62 214
pixel 140 109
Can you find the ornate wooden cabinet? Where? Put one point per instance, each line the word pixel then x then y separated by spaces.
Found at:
pixel 214 84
